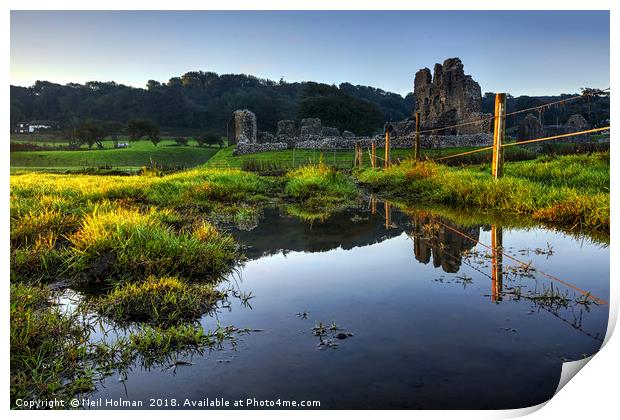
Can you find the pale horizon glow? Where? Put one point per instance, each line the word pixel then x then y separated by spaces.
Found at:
pixel 519 52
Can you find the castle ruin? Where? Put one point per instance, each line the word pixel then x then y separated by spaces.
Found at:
pixel 445 98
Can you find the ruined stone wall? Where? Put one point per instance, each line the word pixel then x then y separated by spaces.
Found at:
pixel 312 135
pixel 244 127
pixel 426 141
pixel 530 128
pixel 574 123
pixel 247 148
pixel 448 97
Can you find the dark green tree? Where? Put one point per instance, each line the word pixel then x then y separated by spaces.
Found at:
pixel 139 128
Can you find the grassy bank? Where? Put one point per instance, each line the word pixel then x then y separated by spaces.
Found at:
pixel 48 349
pixel 282 160
pixel 116 228
pixel 569 191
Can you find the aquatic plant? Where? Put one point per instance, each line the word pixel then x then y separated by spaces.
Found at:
pixel 128 244
pixel 163 301
pixel 320 187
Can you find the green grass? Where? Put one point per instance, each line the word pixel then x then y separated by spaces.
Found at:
pixel 165 301
pixel 48 348
pixel 115 227
pixel 320 187
pixel 289 159
pixel 577 198
pixel 53 355
pixel 140 153
pixel 126 244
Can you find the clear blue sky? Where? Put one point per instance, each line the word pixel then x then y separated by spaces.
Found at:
pixel 521 52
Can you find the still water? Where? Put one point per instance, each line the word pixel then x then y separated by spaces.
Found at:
pixel 433 319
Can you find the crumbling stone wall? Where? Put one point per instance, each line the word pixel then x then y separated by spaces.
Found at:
pixel 310 127
pixel 575 122
pixel 244 127
pixel 427 141
pixel 530 128
pixel 448 97
pixel 265 137
pixel 247 148
pixel 312 135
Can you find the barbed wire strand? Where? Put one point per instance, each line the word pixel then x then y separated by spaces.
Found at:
pixel 521 142
pixel 550 276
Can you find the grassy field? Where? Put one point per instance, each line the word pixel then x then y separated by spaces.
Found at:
pixel 170 155
pixel 289 159
pixel 138 154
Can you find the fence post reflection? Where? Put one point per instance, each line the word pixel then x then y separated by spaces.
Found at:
pixel 496 262
pixel 388 215
pixel 373 204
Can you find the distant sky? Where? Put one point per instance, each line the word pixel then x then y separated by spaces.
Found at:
pixel 521 52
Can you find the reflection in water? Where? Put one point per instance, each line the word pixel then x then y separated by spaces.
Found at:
pixel 388 215
pixel 496 262
pixel 418 343
pixel 445 246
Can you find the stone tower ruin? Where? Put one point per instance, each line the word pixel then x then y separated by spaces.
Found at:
pixel 448 97
pixel 243 127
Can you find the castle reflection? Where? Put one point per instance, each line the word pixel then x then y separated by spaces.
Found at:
pixel 434 238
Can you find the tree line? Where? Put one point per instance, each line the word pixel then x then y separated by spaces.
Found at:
pixel 199 102
pixel 204 101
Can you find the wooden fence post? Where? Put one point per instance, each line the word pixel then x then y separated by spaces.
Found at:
pixel 499 133
pixel 416 146
pixel 388 131
pixel 373 154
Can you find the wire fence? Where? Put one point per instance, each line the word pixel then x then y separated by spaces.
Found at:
pixel 346 158
pixel 524 142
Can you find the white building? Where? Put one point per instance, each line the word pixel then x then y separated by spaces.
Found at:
pixel 32 127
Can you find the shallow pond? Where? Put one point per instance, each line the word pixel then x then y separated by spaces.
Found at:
pixel 437 319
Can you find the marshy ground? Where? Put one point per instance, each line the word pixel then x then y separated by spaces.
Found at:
pixel 152 261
